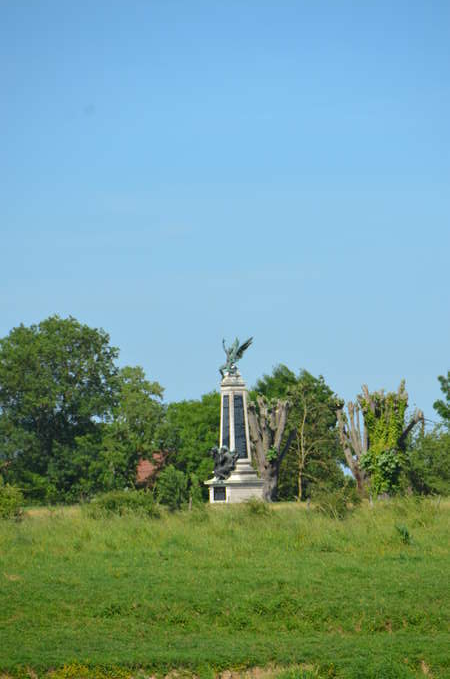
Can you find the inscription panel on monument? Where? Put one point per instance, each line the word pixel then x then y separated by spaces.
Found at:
pixel 220 494
pixel 240 439
pixel 226 421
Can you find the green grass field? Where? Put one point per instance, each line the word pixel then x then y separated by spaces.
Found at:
pixel 227 588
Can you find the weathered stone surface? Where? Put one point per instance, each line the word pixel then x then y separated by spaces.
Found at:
pixel 243 482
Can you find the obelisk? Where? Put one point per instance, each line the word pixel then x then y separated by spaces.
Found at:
pixel 243 482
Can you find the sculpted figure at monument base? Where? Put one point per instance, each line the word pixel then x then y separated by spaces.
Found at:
pixel 234 480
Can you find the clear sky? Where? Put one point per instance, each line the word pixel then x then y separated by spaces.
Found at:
pixel 181 171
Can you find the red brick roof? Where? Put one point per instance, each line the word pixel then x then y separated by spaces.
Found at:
pixel 148 469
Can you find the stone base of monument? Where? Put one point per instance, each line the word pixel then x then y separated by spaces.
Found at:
pixel 242 484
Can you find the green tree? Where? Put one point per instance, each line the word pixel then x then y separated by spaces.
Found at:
pixel 313 455
pixel 441 406
pixel 189 431
pixel 172 487
pixel 276 385
pixel 376 454
pixel 106 458
pixel 131 433
pixel 315 452
pixel 428 470
pixel 11 501
pixel 58 382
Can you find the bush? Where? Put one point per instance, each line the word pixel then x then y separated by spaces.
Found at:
pixel 258 507
pixel 122 502
pixel 11 501
pixel 337 503
pixel 76 671
pixel 172 488
pixel 195 490
pixel 428 469
pixel 404 533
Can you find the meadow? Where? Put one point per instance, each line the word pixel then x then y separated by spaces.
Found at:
pixel 227 588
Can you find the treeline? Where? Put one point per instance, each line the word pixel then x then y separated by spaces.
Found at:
pixel 73 424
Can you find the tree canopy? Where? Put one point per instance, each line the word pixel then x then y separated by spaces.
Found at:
pixel 190 430
pixel 313 456
pixel 72 424
pixel 58 382
pixel 442 405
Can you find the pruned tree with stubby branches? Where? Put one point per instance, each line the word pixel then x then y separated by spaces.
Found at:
pixel 314 454
pixel 373 434
pixel 267 423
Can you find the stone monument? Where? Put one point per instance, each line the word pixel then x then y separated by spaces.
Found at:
pixel 234 480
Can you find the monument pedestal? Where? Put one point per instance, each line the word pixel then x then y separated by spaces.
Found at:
pixel 243 482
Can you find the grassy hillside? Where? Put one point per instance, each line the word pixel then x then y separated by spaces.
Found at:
pixel 228 587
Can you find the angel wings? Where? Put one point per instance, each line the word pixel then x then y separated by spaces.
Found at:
pixel 234 353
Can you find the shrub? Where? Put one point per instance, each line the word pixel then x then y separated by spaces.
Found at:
pixel 337 503
pixel 11 501
pixel 258 507
pixel 404 533
pixel 122 502
pixel 76 671
pixel 195 489
pixel 172 488
pixel 428 470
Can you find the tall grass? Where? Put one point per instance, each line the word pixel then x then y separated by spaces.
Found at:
pixel 229 586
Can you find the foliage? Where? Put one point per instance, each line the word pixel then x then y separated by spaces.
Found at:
pixel 172 488
pixel 195 488
pixel 384 415
pixel 78 671
pixel 428 463
pixel 72 424
pixel 376 456
pixel 57 383
pixel 336 503
pixel 11 501
pixel 314 457
pixel 317 452
pixel 404 533
pixel 334 598
pixel 189 431
pixel 384 468
pixel 277 384
pixel 272 454
pixel 258 507
pixel 131 433
pixel 122 502
pixel 442 406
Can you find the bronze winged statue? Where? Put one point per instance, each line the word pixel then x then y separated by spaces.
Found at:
pixel 234 354
pixel 224 461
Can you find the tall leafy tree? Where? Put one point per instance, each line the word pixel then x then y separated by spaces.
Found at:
pixel 277 384
pixel 442 405
pixel 428 468
pixel 106 458
pixel 58 382
pixel 189 431
pixel 131 433
pixel 315 451
pixel 313 456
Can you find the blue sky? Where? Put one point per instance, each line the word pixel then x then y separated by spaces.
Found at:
pixel 181 171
